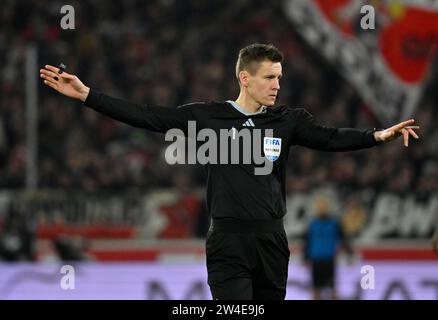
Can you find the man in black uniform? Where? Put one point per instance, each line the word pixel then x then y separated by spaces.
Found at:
pixel 247 248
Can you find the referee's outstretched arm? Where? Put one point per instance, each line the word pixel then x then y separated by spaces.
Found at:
pixel 159 119
pixel 311 134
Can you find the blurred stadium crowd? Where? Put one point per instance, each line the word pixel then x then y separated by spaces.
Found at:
pixel 174 52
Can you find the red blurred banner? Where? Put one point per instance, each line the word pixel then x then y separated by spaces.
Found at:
pixel 388 65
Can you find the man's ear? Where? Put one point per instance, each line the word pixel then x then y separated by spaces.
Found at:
pixel 244 78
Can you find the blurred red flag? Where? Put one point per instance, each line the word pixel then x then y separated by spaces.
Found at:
pixel 388 65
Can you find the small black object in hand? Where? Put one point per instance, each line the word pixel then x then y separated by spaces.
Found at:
pixel 62 68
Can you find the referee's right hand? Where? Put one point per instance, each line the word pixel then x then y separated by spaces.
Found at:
pixel 64 83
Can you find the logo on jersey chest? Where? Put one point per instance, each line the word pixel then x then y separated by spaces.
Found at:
pixel 272 148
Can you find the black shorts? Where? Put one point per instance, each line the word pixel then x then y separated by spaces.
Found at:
pixel 247 260
pixel 323 273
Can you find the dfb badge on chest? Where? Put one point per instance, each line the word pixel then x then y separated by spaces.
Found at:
pixel 272 148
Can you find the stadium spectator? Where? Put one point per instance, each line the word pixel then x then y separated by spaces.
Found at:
pixel 17 238
pixel 322 241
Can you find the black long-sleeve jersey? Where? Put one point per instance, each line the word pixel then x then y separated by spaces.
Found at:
pixel 234 190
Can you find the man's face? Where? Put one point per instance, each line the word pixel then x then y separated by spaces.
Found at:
pixel 264 84
pixel 322 207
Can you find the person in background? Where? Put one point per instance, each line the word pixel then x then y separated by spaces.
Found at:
pixel 17 238
pixel 323 238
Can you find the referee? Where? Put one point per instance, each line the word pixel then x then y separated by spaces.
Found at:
pixel 247 248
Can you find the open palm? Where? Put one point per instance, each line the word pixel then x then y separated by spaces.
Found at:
pixel 404 129
pixel 64 83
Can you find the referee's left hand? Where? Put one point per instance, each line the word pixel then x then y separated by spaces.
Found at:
pixel 404 129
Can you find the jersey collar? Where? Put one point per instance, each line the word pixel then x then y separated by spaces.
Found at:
pixel 246 113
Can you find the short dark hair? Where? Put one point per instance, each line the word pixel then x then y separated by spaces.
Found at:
pixel 256 53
